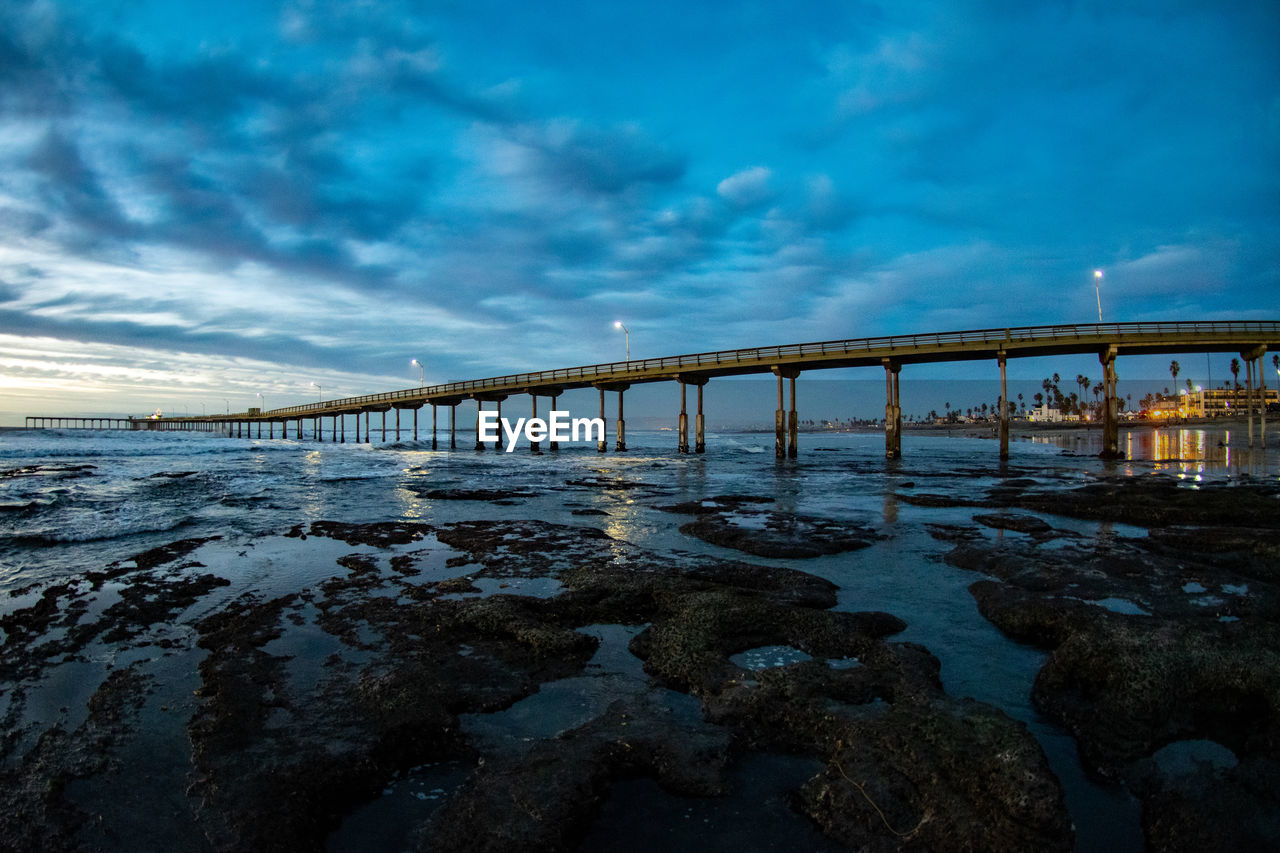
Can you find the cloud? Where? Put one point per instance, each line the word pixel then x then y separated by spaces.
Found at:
pixel 748 188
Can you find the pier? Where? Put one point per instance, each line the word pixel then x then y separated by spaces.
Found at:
pixel 1108 341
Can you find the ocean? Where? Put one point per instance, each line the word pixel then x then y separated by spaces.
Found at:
pixel 73 502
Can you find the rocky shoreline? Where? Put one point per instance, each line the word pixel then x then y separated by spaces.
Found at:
pixel 1164 649
pixel 287 715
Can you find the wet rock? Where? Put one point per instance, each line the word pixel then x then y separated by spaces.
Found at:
pixel 775 534
pixel 1037 527
pixel 735 521
pixel 546 800
pixel 38 814
pixel 68 472
pixel 717 504
pixel 380 534
pixel 492 495
pixel 868 796
pixel 589 511
pixel 1156 640
pixel 1127 686
pixel 153 558
pixel 615 483
pixel 953 532
pixel 928 772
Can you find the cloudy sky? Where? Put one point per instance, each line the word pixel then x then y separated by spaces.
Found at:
pixel 202 202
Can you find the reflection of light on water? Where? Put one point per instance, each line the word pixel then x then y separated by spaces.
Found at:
pixel 1190 453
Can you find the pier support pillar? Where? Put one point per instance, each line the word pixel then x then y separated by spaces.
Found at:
pixel 1262 392
pixel 554 445
pixel 892 411
pixel 1110 411
pixel 397 424
pixel 793 429
pixel 602 444
pixel 534 446
pixel 699 427
pixel 271 429
pixel 621 443
pixel 316 429
pixel 479 409
pixel 682 444
pixel 1252 359
pixel 1004 408
pixel 415 425
pixel 434 445
pixel 384 425
pixel 779 426
pixel 453 428
pixel 1248 395
pixel 343 432
pixel 786 424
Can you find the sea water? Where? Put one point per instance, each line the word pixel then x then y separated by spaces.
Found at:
pixel 72 501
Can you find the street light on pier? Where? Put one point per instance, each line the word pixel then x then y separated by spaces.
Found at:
pixel 228 402
pixel 319 390
pixel 617 324
pixel 262 402
pixel 422 372
pixel 1097 291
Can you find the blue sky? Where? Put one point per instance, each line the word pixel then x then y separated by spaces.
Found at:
pixel 201 203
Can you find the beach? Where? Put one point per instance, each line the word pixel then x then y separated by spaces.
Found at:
pixel 226 644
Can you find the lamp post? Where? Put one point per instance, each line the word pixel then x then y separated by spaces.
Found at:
pixel 1097 291
pixel 422 372
pixel 228 402
pixel 319 390
pixel 618 325
pixel 262 401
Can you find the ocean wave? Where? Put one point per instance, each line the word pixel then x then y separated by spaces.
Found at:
pixel 106 528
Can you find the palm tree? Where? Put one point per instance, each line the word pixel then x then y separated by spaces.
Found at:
pixel 1235 374
pixel 1175 369
pixel 1022 406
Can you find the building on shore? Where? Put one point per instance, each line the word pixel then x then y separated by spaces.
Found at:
pixel 1216 402
pixel 1045 414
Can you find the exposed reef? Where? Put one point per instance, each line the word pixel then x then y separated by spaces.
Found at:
pixel 1161 645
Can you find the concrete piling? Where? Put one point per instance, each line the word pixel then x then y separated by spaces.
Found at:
pixel 892 410
pixel 682 445
pixel 1004 408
